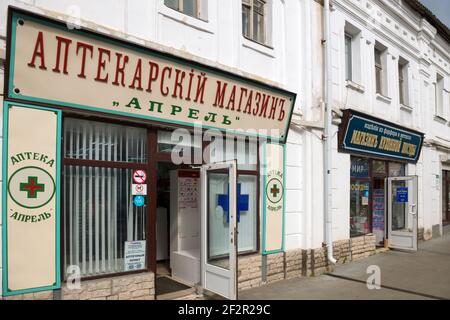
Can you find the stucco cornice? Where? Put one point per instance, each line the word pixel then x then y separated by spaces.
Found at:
pixel 383 32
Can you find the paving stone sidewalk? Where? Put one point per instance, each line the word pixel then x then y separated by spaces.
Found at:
pixel 421 275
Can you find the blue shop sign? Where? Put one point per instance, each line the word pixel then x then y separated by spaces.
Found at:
pixel 363 134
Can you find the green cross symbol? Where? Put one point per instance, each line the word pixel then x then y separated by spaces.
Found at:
pixel 32 187
pixel 275 191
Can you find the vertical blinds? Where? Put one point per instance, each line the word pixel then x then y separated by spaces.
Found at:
pixel 99 212
pixel 91 140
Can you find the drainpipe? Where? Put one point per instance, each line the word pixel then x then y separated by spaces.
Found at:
pixel 327 134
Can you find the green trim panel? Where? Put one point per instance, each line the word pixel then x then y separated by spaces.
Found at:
pixel 264 251
pixel 57 284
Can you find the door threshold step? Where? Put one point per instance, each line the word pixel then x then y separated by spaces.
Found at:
pixel 193 296
pixel 178 295
pixel 381 250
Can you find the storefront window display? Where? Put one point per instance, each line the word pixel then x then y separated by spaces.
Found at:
pixel 359 197
pixel 100 217
pixel 367 195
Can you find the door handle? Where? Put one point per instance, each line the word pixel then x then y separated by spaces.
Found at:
pixel 234 236
pixel 413 209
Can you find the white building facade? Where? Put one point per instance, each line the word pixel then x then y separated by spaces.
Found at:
pixel 390 61
pixel 411 54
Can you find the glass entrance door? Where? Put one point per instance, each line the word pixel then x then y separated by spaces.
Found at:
pixel 219 229
pixel 402 213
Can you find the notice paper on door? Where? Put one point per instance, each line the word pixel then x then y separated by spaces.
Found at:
pixel 365 201
pixel 134 255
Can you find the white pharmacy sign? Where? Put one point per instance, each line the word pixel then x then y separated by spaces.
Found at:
pixel 135 255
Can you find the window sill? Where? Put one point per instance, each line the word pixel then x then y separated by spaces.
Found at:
pixel 440 119
pixel 405 107
pixel 197 23
pixel 383 98
pixel 112 275
pixel 360 235
pixel 259 47
pixel 354 86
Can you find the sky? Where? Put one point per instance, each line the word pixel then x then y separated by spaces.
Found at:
pixel 440 8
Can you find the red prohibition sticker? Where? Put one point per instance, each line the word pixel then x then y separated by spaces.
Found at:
pixel 139 176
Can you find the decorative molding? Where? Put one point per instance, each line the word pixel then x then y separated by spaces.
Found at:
pixel 361 16
pixel 427 28
pixel 412 21
pixel 443 144
pixel 355 86
pixel 406 108
pixel 424 73
pixel 196 23
pixel 383 98
pixel 440 119
pixel 258 47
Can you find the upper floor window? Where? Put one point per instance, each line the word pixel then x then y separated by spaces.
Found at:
pixel 193 8
pixel 403 81
pixel 352 42
pixel 439 95
pixel 348 57
pixel 254 20
pixel 380 69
